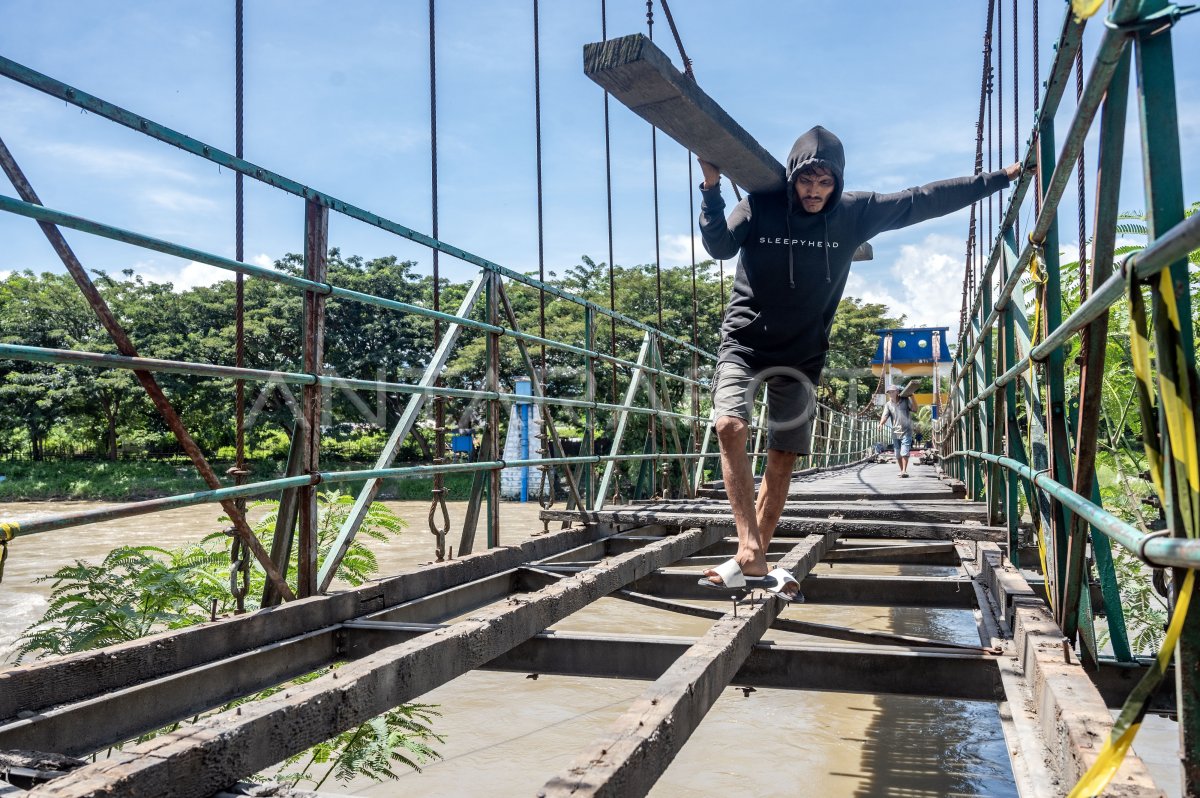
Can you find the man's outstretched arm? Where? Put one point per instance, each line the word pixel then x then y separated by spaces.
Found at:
pixel 915 205
pixel 722 238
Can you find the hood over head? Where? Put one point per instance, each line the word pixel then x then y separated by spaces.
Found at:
pixel 818 147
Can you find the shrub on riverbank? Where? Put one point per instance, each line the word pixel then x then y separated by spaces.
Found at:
pixel 99 480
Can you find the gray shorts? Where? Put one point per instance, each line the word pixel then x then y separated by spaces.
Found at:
pixel 790 402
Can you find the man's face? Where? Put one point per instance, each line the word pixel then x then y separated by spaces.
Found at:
pixel 814 188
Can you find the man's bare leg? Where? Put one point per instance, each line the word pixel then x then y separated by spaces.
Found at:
pixel 732 433
pixel 773 494
pixel 776 483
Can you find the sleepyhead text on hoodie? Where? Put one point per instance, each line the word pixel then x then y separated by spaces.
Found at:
pixel 794 264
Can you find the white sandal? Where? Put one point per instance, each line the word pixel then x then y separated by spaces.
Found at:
pixel 731 575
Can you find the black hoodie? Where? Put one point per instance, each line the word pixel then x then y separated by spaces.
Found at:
pixel 794 264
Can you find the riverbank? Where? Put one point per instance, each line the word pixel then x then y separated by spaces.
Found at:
pixel 102 480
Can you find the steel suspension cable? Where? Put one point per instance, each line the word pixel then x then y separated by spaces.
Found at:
pixel 240 561
pixel 1037 103
pixel 654 174
pixel 537 126
pixel 612 285
pixel 438 493
pixel 687 62
pixel 239 247
pixel 1016 100
pixel 1082 192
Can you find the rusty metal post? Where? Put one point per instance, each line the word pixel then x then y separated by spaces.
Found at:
pixel 493 411
pixel 316 266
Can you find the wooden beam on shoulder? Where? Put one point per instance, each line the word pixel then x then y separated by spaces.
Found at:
pixel 642 78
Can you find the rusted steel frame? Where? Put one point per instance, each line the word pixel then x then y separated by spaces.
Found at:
pixel 790 624
pixel 125 347
pixel 1095 335
pixel 705 442
pixel 1158 118
pixel 198 759
pixel 758 453
pixel 946 673
pixel 466 543
pixel 1108 53
pixel 990 432
pixel 69 94
pixel 492 377
pixel 1058 439
pixel 408 418
pixel 685 464
pixel 38 686
pixel 789 526
pixel 589 393
pixel 39 354
pixel 928 510
pixel 1014 445
pixel 316 267
pixel 535 382
pixel 285 517
pixel 873 591
pixel 645 740
pixel 635 379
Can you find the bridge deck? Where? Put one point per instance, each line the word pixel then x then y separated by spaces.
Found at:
pixel 400 637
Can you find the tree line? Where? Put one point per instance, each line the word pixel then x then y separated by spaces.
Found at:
pixel 105 412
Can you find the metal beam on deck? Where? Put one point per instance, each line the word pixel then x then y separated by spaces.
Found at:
pixel 199 759
pixel 795 526
pixel 655 728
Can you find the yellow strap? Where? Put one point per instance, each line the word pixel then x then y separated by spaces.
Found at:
pixel 9 531
pixel 1038 277
pixel 1113 752
pixel 1085 8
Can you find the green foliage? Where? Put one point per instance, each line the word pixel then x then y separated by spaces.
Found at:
pixel 140 590
pixel 852 343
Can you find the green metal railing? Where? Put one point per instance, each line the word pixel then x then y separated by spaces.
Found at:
pixel 1017 435
pixel 675 456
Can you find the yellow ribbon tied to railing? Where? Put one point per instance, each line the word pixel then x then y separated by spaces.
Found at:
pixel 1082 9
pixel 1177 384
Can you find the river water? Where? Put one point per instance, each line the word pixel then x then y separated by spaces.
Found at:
pixel 507 734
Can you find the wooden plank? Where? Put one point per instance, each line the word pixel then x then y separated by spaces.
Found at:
pixel 655 728
pixel 200 759
pixel 641 77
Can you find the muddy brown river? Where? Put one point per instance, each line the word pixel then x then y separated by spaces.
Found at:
pixel 507 734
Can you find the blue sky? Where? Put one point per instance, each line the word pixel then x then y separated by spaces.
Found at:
pixel 337 97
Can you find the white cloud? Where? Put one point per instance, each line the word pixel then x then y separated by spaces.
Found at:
pixel 114 162
pixel 4 273
pixel 676 250
pixel 174 200
pixel 925 283
pixel 191 275
pixel 263 259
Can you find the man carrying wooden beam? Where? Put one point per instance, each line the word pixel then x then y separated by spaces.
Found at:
pixel 796 246
pixel 897 410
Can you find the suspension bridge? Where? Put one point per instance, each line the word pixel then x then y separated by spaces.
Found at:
pixel 1007 513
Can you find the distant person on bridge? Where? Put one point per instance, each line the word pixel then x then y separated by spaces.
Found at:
pixel 796 246
pixel 898 410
